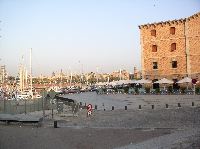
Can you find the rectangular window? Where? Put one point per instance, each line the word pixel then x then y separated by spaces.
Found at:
pixel 155 65
pixel 174 64
pixel 172 30
pixel 173 47
pixel 154 48
pixel 153 32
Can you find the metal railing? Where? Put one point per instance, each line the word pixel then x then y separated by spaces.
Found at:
pixel 23 106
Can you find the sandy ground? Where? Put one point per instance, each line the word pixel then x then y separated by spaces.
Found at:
pixel 72 138
pixel 132 128
pixel 119 101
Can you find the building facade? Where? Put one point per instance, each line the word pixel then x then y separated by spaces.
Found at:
pixel 171 49
pixel 120 75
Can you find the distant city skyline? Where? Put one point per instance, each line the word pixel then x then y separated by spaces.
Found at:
pixel 80 35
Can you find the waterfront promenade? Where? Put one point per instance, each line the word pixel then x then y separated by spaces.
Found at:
pixel 119 101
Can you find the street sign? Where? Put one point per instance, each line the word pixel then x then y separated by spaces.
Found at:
pixel 89 110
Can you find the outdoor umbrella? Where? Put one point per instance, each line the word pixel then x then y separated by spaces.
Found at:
pixel 143 81
pixel 164 81
pixel 101 83
pixel 185 80
pixel 121 82
pixel 129 81
pixel 115 83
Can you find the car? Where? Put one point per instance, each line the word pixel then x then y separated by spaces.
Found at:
pixel 22 96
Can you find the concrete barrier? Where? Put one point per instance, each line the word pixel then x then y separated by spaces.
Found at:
pixel 8 118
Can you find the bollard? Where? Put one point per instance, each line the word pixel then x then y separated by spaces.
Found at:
pixel 193 104
pixel 152 106
pixel 38 105
pixel 179 105
pixel 55 124
pixel 25 107
pixel 125 107
pixel 34 104
pixel 52 113
pixel 140 107
pixel 95 107
pixel 167 106
pixel 4 105
pixel 113 108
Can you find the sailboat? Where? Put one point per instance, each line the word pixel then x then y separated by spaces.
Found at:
pixel 33 94
pixel 26 90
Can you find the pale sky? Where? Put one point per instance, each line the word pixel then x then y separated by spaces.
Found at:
pixel 80 34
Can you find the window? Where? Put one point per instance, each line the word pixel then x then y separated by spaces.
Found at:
pixel 174 64
pixel 154 48
pixel 153 32
pixel 173 47
pixel 172 30
pixel 155 65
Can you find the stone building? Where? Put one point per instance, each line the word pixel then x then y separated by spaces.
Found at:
pixel 171 49
pixel 137 74
pixel 120 75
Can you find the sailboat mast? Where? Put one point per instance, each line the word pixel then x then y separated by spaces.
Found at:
pixel 70 79
pixel 120 74
pixel 31 85
pixel 21 74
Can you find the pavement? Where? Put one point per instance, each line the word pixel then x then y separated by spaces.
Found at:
pixel 180 139
pixel 146 128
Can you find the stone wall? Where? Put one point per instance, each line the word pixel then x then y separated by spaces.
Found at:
pixel 193 23
pixel 186 36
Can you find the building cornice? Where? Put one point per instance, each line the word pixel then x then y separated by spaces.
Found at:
pixel 170 22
